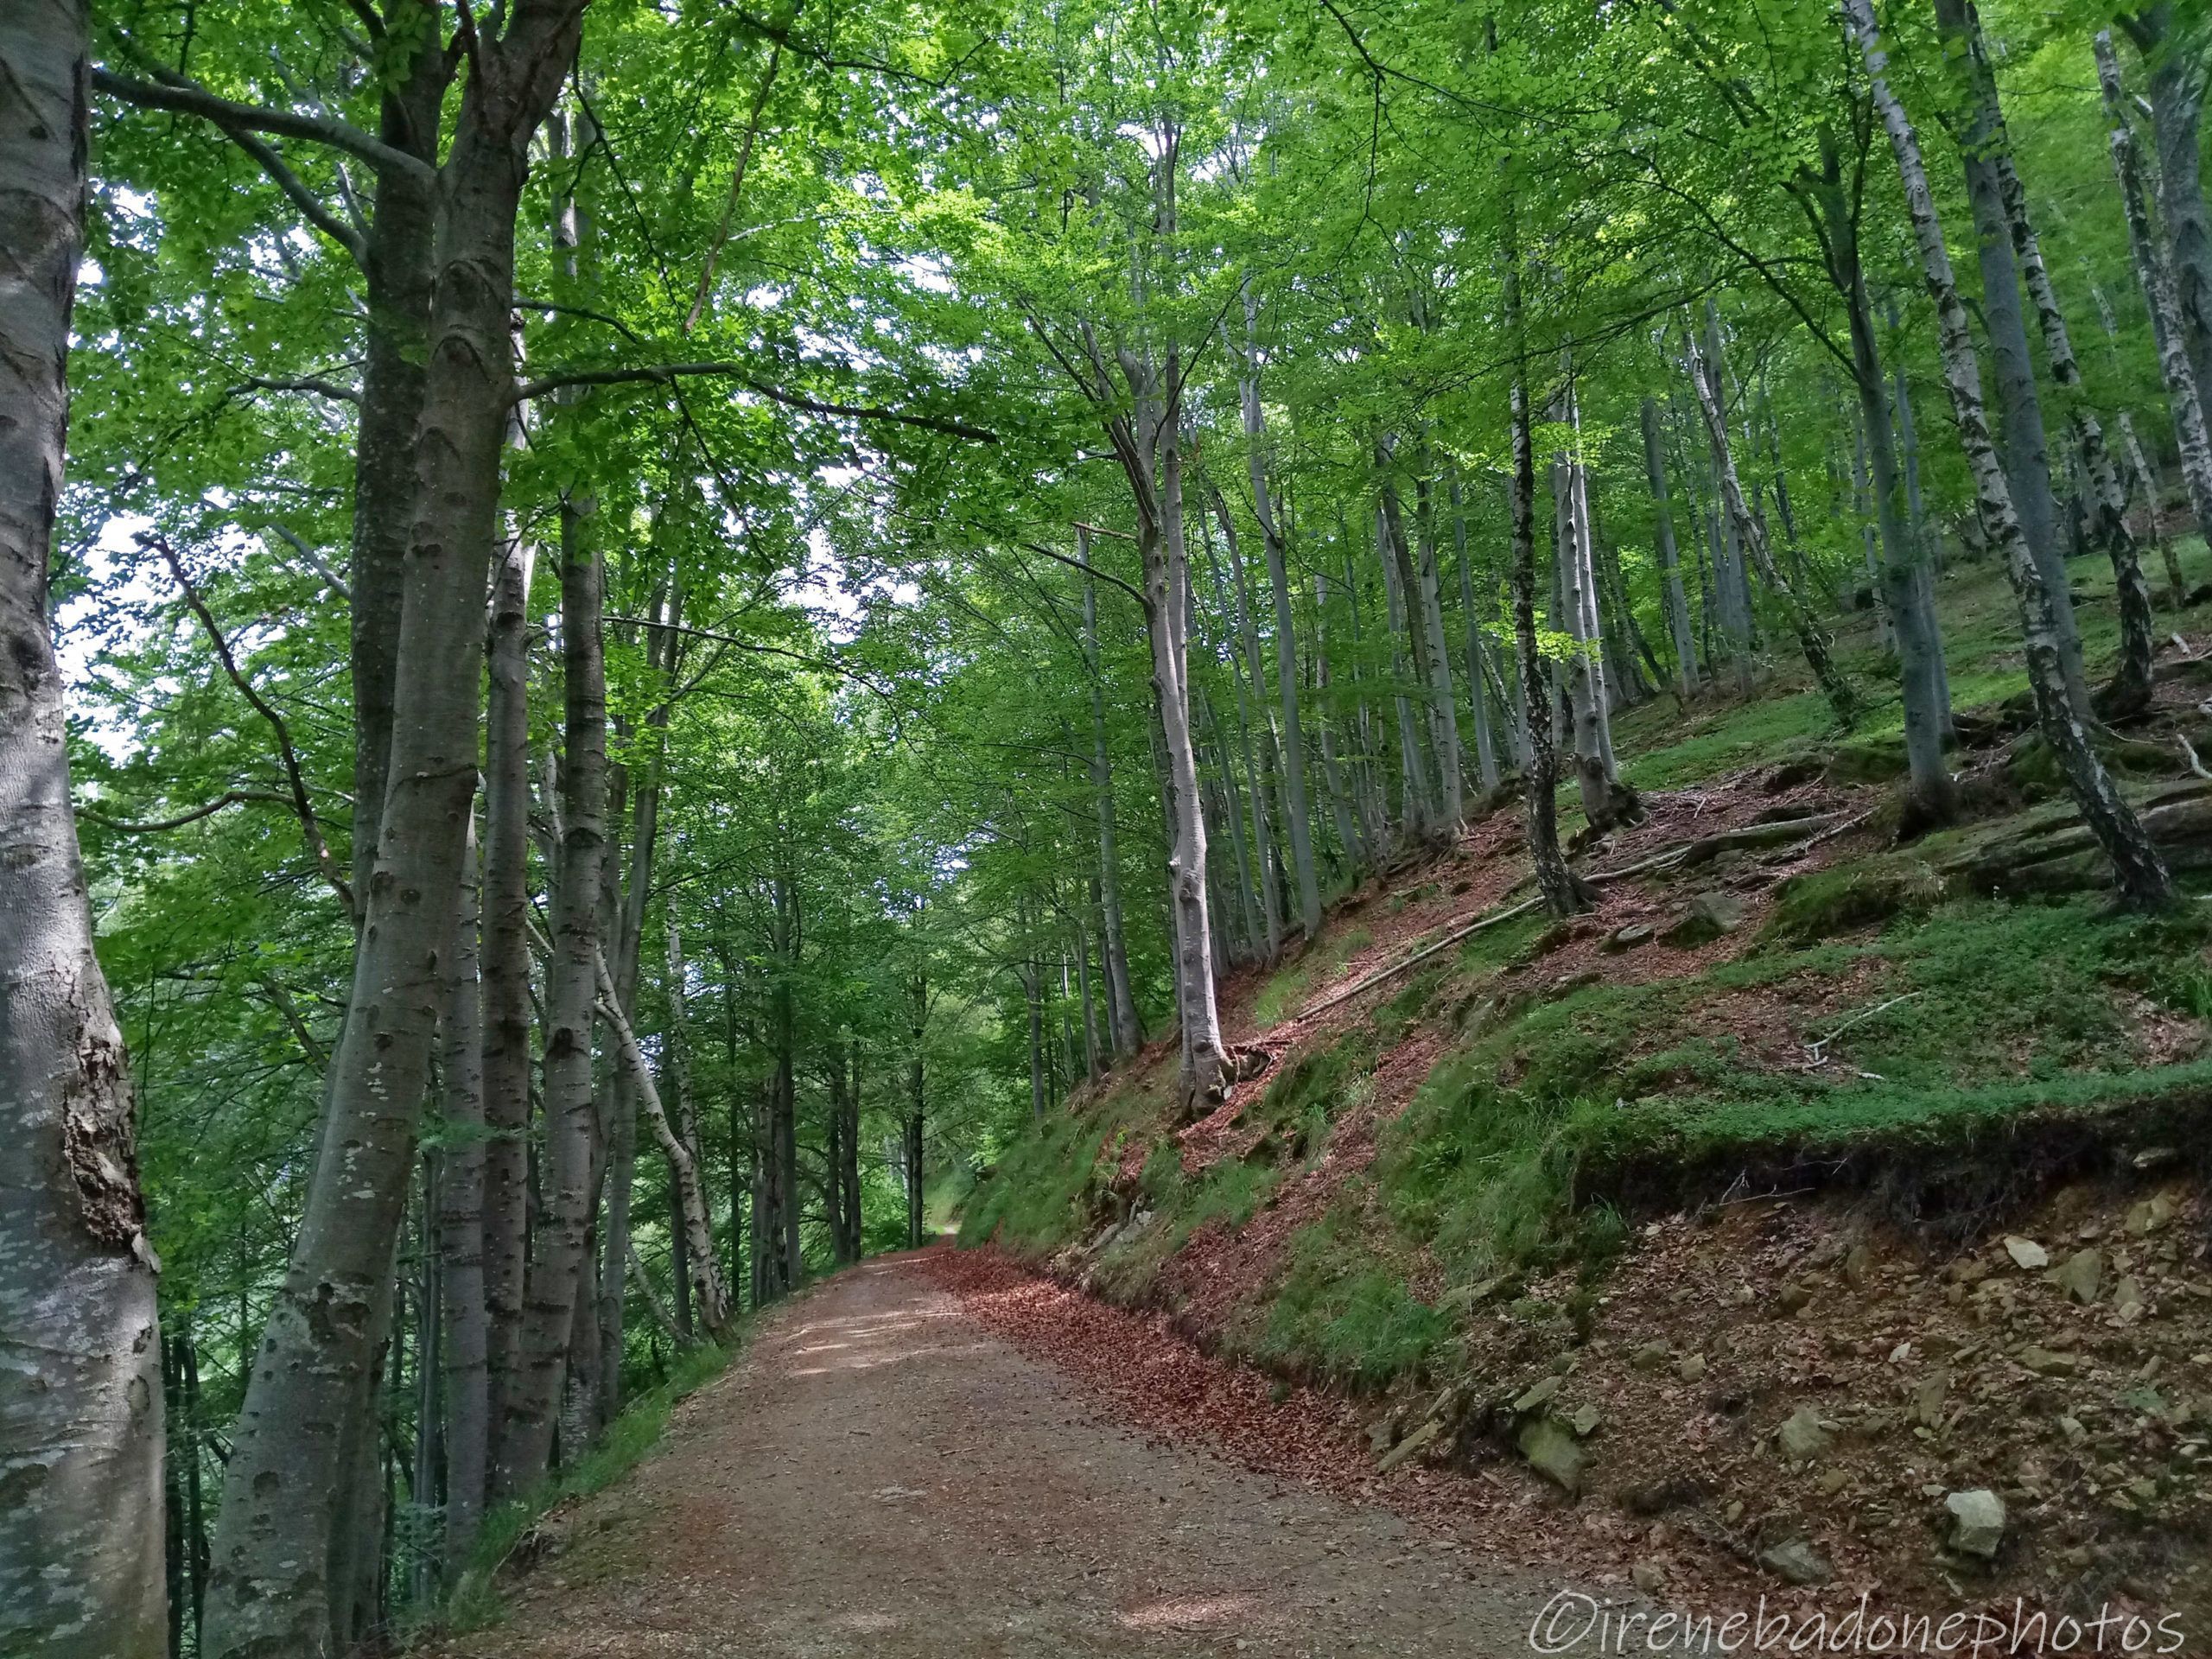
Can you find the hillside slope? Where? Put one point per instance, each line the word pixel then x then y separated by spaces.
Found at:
pixel 1810 1190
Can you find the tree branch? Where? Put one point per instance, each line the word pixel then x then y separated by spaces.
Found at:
pixel 190 99
pixel 310 206
pixel 228 797
pixel 664 373
pixel 320 388
pixel 309 825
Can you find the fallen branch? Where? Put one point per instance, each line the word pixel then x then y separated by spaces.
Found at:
pixel 1368 981
pixel 1815 1047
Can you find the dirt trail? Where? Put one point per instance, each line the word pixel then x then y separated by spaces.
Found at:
pixel 881 1476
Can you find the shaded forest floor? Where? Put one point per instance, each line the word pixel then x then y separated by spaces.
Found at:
pixel 883 1473
pixel 1677 1238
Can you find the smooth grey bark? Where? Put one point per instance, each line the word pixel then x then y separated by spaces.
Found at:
pixel 463 1311
pixel 1862 502
pixel 268 1592
pixel 1670 564
pixel 1244 662
pixel 2141 873
pixel 2107 498
pixel 2020 435
pixel 1299 825
pixel 1127 1034
pixel 2184 396
pixel 1416 810
pixel 81 1406
pixel 913 1120
pixel 1607 801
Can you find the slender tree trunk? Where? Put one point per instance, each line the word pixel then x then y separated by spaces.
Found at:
pixel 460 1239
pixel 913 1120
pixel 1670 568
pixel 1425 600
pixel 81 1532
pixel 1299 825
pixel 562 1235
pixel 2183 395
pixel 1253 712
pixel 2130 691
pixel 2171 38
pixel 2141 873
pixel 1564 892
pixel 1486 770
pixel 285 1471
pixel 1750 534
pixel 1127 1032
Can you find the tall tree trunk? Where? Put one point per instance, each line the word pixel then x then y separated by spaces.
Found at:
pixel 285 1472
pixel 1426 608
pixel 1564 892
pixel 1128 1032
pixel 562 1235
pixel 784 1125
pixel 913 1119
pixel 1252 711
pixel 2142 874
pixel 707 1295
pixel 1486 770
pixel 1299 825
pixel 2184 396
pixel 506 1011
pixel 81 1530
pixel 2019 412
pixel 2130 690
pixel 461 1238
pixel 2171 40
pixel 1751 535
pixel 1670 568
pixel 1349 836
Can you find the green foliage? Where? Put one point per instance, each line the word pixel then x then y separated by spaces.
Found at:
pixel 1343 1316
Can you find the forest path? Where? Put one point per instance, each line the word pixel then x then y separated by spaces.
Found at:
pixel 880 1475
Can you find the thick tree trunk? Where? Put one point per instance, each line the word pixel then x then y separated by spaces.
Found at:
pixel 2184 396
pixel 81 1414
pixel 268 1591
pixel 2142 874
pixel 461 1238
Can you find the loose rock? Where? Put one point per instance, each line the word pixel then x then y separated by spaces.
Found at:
pixel 1977 1521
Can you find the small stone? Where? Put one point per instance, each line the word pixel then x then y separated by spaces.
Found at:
pixel 1901 1353
pixel 1648 1576
pixel 2043 1362
pixel 1803 1437
pixel 1583 1420
pixel 2149 1217
pixel 2127 1298
pixel 1928 1399
pixel 1629 937
pixel 1743 1295
pixel 2151 1157
pixel 1793 1297
pixel 1712 914
pixel 2072 1429
pixel 1858 1262
pixel 2026 1252
pixel 1650 1358
pixel 1690 1368
pixel 1537 1397
pixel 1552 1450
pixel 2144 1491
pixel 1833 1481
pixel 2080 1275
pixel 1796 1561
pixel 1411 1446
pixel 1977 1521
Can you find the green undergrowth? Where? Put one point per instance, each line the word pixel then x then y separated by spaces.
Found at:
pixel 1879 1024
pixel 475 1601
